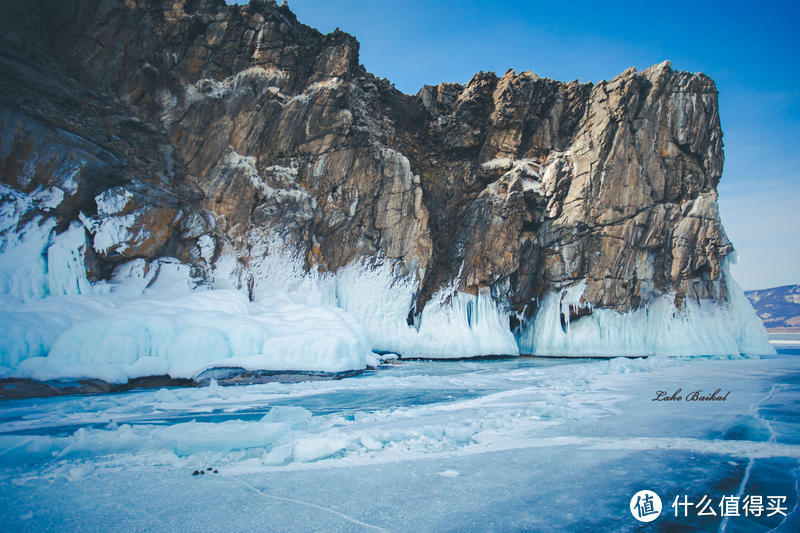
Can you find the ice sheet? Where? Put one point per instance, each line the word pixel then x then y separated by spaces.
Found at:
pixel 529 436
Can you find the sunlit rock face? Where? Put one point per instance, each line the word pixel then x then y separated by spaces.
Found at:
pixel 194 129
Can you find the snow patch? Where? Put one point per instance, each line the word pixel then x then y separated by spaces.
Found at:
pixel 113 232
pixel 255 79
pixel 303 98
pixel 525 167
pixel 282 175
pixel 112 201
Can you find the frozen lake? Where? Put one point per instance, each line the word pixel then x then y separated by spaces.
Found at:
pixel 493 445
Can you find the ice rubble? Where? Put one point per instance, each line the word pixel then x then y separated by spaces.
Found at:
pixel 151 318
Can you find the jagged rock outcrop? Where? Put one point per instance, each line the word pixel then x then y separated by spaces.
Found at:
pixel 192 129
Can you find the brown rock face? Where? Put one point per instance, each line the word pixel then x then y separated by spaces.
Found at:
pixel 222 123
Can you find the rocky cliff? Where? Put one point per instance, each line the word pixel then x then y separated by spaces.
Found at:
pixel 200 131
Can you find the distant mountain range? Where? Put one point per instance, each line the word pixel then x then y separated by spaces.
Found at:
pixel 778 307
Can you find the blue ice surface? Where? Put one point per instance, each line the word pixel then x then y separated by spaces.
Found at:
pixel 491 445
pixel 344 402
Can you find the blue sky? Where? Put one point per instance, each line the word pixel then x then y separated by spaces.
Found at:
pixel 749 49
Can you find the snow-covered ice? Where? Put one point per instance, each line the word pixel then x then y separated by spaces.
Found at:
pixel 514 444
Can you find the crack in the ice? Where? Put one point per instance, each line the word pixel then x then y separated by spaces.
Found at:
pixel 797 500
pixel 309 504
pixel 772 438
pixel 755 413
pixel 19 444
pixel 740 492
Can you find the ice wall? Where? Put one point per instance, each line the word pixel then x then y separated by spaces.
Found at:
pixel 66 270
pixel 452 324
pixel 701 327
pixel 378 297
pixel 152 317
pixel 380 300
pixel 152 321
pixel 23 267
pixel 457 324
